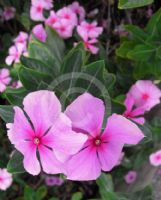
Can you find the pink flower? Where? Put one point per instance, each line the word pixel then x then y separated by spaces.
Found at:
pixel 52 20
pixel 36 11
pixel 130 177
pixel 133 113
pixel 4 79
pixel 9 13
pixel 5 179
pixel 78 10
pixel 45 130
pixel 17 84
pixel 90 30
pixel 145 94
pixel 21 38
pixel 53 180
pixel 15 53
pixel 155 158
pixel 39 32
pixel 68 15
pixel 64 29
pixel 102 151
pixel 89 44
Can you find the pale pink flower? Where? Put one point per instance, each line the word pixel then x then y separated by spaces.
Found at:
pixel 4 79
pixel 155 158
pixel 102 150
pixel 67 14
pixel 53 180
pixel 145 94
pixel 17 84
pixel 133 113
pixel 89 44
pixel 78 10
pixel 47 4
pixel 36 11
pixel 52 20
pixel 21 38
pixel 90 30
pixel 39 32
pixel 9 13
pixel 15 53
pixel 130 177
pixel 45 130
pixel 64 29
pixel 5 179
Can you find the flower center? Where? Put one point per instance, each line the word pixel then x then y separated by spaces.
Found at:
pixel 36 141
pixel 145 96
pixel 97 142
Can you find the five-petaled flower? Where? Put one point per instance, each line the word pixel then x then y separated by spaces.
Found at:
pixel 155 158
pixel 102 149
pixel 130 177
pixel 42 128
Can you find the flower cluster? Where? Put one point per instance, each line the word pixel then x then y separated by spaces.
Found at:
pixel 19 48
pixel 72 142
pixel 142 97
pixel 65 20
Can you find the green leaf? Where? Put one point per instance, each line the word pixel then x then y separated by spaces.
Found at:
pixel 141 53
pixel 41 193
pixel 6 113
pixel 40 51
pixel 77 196
pixel 74 60
pixel 56 45
pixel 29 193
pixel 31 78
pixel 37 65
pixel 124 48
pixel 15 96
pixel 15 164
pixel 126 4
pixel 138 33
pixel 153 26
pixel 105 185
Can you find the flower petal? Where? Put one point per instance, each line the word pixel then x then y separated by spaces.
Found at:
pixel 43 108
pixel 49 162
pixel 84 166
pixel 109 155
pixel 86 113
pixel 122 130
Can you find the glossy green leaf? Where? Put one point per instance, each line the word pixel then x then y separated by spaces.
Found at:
pixel 15 164
pixel 7 113
pixel 15 96
pixel 126 4
pixel 31 78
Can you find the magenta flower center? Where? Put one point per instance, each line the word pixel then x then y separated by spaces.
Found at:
pixel 36 140
pixel 145 96
pixel 39 9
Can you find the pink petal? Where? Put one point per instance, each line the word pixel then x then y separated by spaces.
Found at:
pixel 4 73
pixel 122 130
pixel 39 32
pixel 63 139
pixel 9 60
pixel 84 166
pixel 49 162
pixel 43 108
pixel 86 113
pixel 129 103
pixel 139 120
pixel 20 130
pixel 31 163
pixel 109 155
pixel 7 80
pixel 2 87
